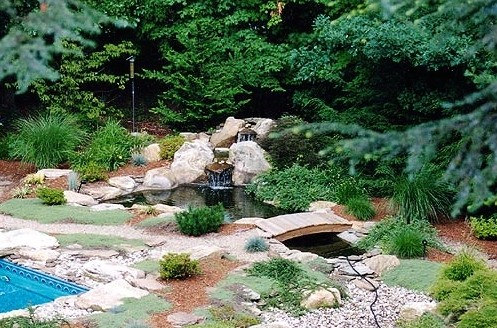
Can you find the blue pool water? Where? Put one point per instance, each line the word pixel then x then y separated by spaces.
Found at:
pixel 21 287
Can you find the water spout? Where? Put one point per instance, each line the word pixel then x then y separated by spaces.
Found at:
pixel 219 175
pixel 246 135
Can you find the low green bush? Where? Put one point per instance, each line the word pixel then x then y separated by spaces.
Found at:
pixel 51 196
pixel 226 314
pixel 484 228
pixel 427 320
pixel 463 266
pixel 170 145
pixel 406 242
pixel 45 141
pixel 92 172
pixel 484 316
pixel 30 322
pixel 256 244
pixel 360 207
pixel 178 266
pixel 197 221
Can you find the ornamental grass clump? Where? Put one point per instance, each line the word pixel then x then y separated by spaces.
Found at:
pixel 360 207
pixel 51 196
pixel 178 266
pixel 138 159
pixel 256 244
pixel 197 221
pixel 406 242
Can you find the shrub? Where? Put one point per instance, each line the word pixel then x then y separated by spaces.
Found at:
pixel 197 221
pixel 484 316
pixel 360 207
pixel 463 266
pixel 109 148
pixel 484 228
pixel 406 243
pixel 294 188
pixel 427 320
pixel 178 266
pixel 256 244
pixel 92 172
pixel 138 159
pixel 423 197
pixel 170 145
pixel 51 196
pixel 45 141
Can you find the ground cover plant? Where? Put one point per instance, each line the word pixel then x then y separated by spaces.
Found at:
pixel 225 316
pixel 149 266
pixel 34 209
pixel 156 221
pixel 31 322
pixel 98 241
pixel 427 320
pixel 425 273
pixel 197 221
pixel 484 228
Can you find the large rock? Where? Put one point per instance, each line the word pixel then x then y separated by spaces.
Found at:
pixel 39 255
pixel 149 283
pixel 105 270
pixel 382 263
pixel 104 193
pixel 228 133
pixel 263 127
pixel 322 298
pixel 249 160
pixel 302 257
pixel 190 161
pixel 159 178
pixel 107 207
pixel 54 173
pixel 182 319
pixel 25 238
pixel 189 136
pixel 73 197
pixel 108 296
pixel 152 152
pixel 125 183
pixel 413 310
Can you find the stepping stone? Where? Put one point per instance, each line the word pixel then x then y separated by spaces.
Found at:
pixel 181 319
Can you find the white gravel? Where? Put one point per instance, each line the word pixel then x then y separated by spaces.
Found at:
pixel 355 312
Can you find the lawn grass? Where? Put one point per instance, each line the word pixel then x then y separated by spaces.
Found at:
pixel 149 266
pixel 155 221
pixel 98 241
pixel 133 311
pixel 222 290
pixel 33 209
pixel 417 275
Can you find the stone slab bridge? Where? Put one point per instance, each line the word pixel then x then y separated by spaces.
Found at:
pixel 288 226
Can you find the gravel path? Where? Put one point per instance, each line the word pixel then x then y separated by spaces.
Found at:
pixel 355 312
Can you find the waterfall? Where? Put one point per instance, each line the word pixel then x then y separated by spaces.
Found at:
pixel 219 175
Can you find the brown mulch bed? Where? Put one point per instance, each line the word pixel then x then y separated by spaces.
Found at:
pixel 381 206
pixel 190 294
pixel 459 231
pixel 230 228
pixel 436 255
pixel 14 171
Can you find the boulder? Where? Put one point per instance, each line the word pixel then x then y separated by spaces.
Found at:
pixel 167 209
pixel 228 133
pixel 149 283
pixel 104 193
pixel 73 197
pixel 39 255
pixel 159 178
pixel 346 269
pixel 105 270
pixel 263 127
pixel 26 238
pixel 382 263
pixel 152 152
pixel 349 236
pixel 190 161
pixel 413 310
pixel 249 160
pixel 108 296
pixel 200 252
pixel 54 173
pixel 322 298
pixel 125 183
pixel 107 207
pixel 182 319
pixel 189 136
pixel 365 285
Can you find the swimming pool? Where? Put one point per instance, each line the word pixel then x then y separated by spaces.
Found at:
pixel 21 287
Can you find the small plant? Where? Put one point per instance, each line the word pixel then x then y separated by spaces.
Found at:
pixel 150 210
pixel 406 243
pixel 484 228
pixel 463 266
pixel 138 159
pixel 226 314
pixel 51 196
pixel 170 145
pixel 427 320
pixel 21 191
pixel 200 220
pixel 256 244
pixel 178 266
pixel 281 270
pixel 73 181
pixel 92 172
pixel 34 179
pixel 360 207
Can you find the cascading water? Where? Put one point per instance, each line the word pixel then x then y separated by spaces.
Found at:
pixel 219 175
pixel 246 135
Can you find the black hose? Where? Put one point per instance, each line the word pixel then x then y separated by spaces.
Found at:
pixel 375 289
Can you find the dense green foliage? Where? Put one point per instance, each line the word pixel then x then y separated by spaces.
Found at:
pixel 92 172
pixel 29 322
pixel 51 196
pixel 169 145
pixel 360 207
pixel 256 244
pixel 484 228
pixel 227 316
pixel 462 267
pixel 405 243
pixel 178 266
pixel 425 273
pixel 45 141
pixel 198 221
pixel 427 320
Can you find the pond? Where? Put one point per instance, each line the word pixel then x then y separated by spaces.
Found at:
pixel 327 245
pixel 235 200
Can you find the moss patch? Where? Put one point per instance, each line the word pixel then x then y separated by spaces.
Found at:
pixel 156 221
pixel 98 241
pixel 413 274
pixel 133 310
pixel 149 266
pixel 33 209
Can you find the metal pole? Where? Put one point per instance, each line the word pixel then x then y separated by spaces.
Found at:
pixel 132 77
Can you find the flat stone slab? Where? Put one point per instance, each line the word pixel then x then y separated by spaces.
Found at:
pixel 288 226
pixel 101 269
pixel 181 319
pixel 26 238
pixel 107 207
pixel 54 173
